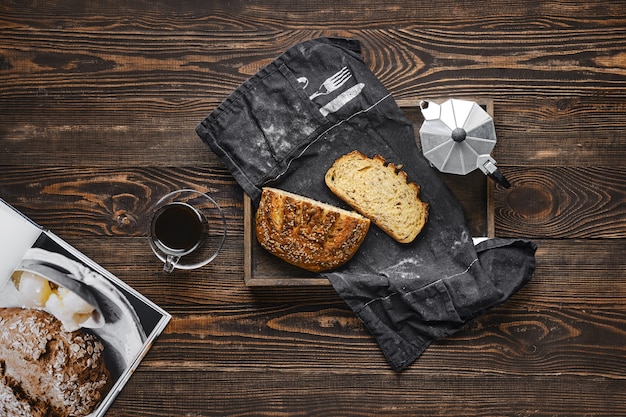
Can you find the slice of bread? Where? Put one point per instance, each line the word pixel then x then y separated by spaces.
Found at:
pixel 307 233
pixel 379 191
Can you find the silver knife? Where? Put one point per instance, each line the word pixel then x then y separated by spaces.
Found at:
pixel 339 101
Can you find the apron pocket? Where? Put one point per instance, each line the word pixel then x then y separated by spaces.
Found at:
pixel 263 124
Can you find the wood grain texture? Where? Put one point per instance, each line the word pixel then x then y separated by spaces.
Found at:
pixel 569 201
pixel 98 105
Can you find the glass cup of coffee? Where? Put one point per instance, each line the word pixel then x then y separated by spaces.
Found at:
pixel 187 230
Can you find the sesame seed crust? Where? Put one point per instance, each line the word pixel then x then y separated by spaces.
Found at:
pixel 307 233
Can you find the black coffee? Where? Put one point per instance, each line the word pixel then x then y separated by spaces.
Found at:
pixel 178 227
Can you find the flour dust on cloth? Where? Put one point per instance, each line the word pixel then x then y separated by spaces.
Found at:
pixel 287 124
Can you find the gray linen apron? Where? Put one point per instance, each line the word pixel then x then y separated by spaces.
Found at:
pixel 270 132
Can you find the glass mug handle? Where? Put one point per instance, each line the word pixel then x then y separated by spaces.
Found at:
pixel 170 263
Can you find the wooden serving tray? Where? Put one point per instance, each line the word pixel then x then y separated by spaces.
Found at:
pixel 474 192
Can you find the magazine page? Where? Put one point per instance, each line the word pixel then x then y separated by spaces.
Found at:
pixel 107 326
pixel 17 234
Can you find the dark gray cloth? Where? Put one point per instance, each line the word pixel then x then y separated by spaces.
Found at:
pixel 270 132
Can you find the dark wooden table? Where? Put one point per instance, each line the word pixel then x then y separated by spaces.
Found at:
pixel 98 104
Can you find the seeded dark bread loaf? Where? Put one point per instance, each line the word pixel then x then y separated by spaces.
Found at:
pixel 14 404
pixel 46 370
pixel 307 233
pixel 381 192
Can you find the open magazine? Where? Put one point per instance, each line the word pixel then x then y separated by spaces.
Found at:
pixel 39 270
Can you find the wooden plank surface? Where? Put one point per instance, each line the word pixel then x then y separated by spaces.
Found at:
pixel 98 104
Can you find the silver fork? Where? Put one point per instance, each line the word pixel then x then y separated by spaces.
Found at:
pixel 332 83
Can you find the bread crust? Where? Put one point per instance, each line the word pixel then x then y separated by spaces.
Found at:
pixel 50 370
pixel 380 191
pixel 307 233
pixel 14 404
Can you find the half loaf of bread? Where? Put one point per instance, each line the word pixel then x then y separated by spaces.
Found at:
pixel 47 371
pixel 307 233
pixel 381 192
